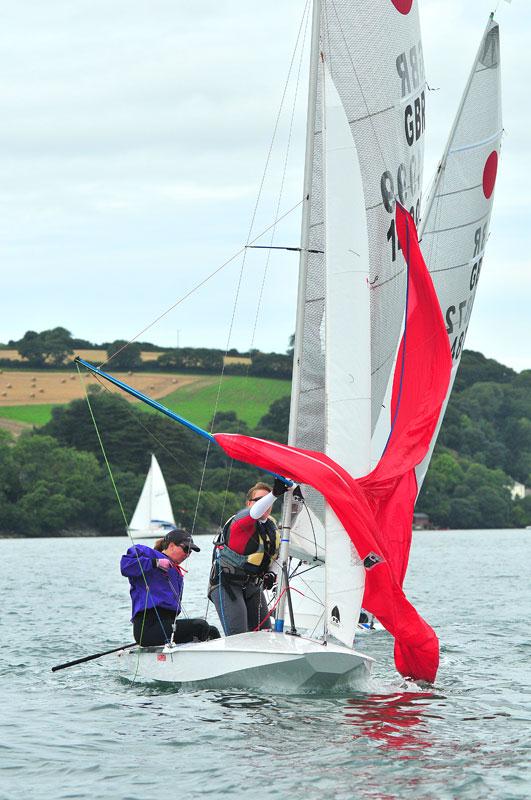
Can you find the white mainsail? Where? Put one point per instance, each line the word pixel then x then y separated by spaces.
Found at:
pixel 455 226
pixel 347 368
pixel 153 514
pixel 366 147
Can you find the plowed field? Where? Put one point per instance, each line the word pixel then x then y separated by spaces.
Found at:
pixel 28 388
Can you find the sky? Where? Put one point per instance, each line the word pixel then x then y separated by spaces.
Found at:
pixel 132 147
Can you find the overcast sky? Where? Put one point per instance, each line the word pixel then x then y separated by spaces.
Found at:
pixel 132 144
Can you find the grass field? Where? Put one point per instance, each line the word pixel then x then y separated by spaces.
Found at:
pixel 250 398
pixel 35 414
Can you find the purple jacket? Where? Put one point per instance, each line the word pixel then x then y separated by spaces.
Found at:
pixel 164 588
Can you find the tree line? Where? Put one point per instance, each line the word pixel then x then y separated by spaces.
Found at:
pixel 483 447
pixel 54 349
pixel 54 479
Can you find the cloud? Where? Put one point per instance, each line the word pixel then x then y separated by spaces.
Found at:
pixel 132 145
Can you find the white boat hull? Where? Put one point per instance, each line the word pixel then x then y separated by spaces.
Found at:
pixel 265 661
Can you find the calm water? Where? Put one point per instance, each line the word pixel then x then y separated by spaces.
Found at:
pixel 82 733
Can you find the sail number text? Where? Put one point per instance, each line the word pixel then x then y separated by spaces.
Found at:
pixel 457 316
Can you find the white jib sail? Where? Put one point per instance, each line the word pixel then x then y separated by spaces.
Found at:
pixel 455 227
pixel 153 514
pixel 348 357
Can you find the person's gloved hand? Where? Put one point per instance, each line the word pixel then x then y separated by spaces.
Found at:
pixel 279 488
pixel 164 564
pixel 269 580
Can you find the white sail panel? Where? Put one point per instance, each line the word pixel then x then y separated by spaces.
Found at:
pixel 455 227
pixel 307 537
pixel 307 598
pixel 153 514
pixel 347 294
pixel 374 55
pixel 348 353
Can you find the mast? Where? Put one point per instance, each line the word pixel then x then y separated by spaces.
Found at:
pixel 303 264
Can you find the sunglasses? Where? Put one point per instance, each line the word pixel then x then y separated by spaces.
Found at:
pixel 184 547
pixel 254 499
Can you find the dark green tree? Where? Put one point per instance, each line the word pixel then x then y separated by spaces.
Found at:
pixel 476 368
pixel 275 423
pixel 48 347
pixel 30 347
pixel 124 355
pixel 58 345
pixel 522 512
pixel 129 436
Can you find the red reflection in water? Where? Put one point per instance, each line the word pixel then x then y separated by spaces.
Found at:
pixel 396 720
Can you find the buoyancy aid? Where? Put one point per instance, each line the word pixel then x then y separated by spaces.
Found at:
pixel 261 547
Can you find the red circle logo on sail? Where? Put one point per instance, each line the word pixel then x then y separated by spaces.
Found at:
pixel 489 174
pixel 404 6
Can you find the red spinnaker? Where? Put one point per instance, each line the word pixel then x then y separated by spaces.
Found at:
pixel 376 511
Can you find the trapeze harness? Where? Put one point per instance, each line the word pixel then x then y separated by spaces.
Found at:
pixel 243 551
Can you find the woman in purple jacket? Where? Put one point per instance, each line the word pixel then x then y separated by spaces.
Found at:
pixel 156 586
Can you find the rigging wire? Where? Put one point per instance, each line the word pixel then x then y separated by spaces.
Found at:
pixel 118 497
pixel 253 217
pixel 242 251
pixel 114 391
pixel 304 21
pixel 201 283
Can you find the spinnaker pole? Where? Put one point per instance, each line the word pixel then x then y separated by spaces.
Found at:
pixel 299 323
pixel 163 409
pixel 145 399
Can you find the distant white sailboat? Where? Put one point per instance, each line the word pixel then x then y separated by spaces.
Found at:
pixel 153 515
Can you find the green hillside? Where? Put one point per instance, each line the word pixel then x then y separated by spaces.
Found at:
pixel 55 479
pixel 249 397
pixel 33 414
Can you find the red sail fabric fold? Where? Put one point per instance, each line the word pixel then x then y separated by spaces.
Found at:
pixel 376 511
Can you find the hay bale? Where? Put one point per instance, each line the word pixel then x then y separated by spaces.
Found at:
pixel 41 391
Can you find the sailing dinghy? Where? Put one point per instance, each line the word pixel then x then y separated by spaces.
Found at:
pixel 372 366
pixel 153 515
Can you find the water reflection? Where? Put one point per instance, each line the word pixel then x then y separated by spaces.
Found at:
pixel 396 720
pixel 241 700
